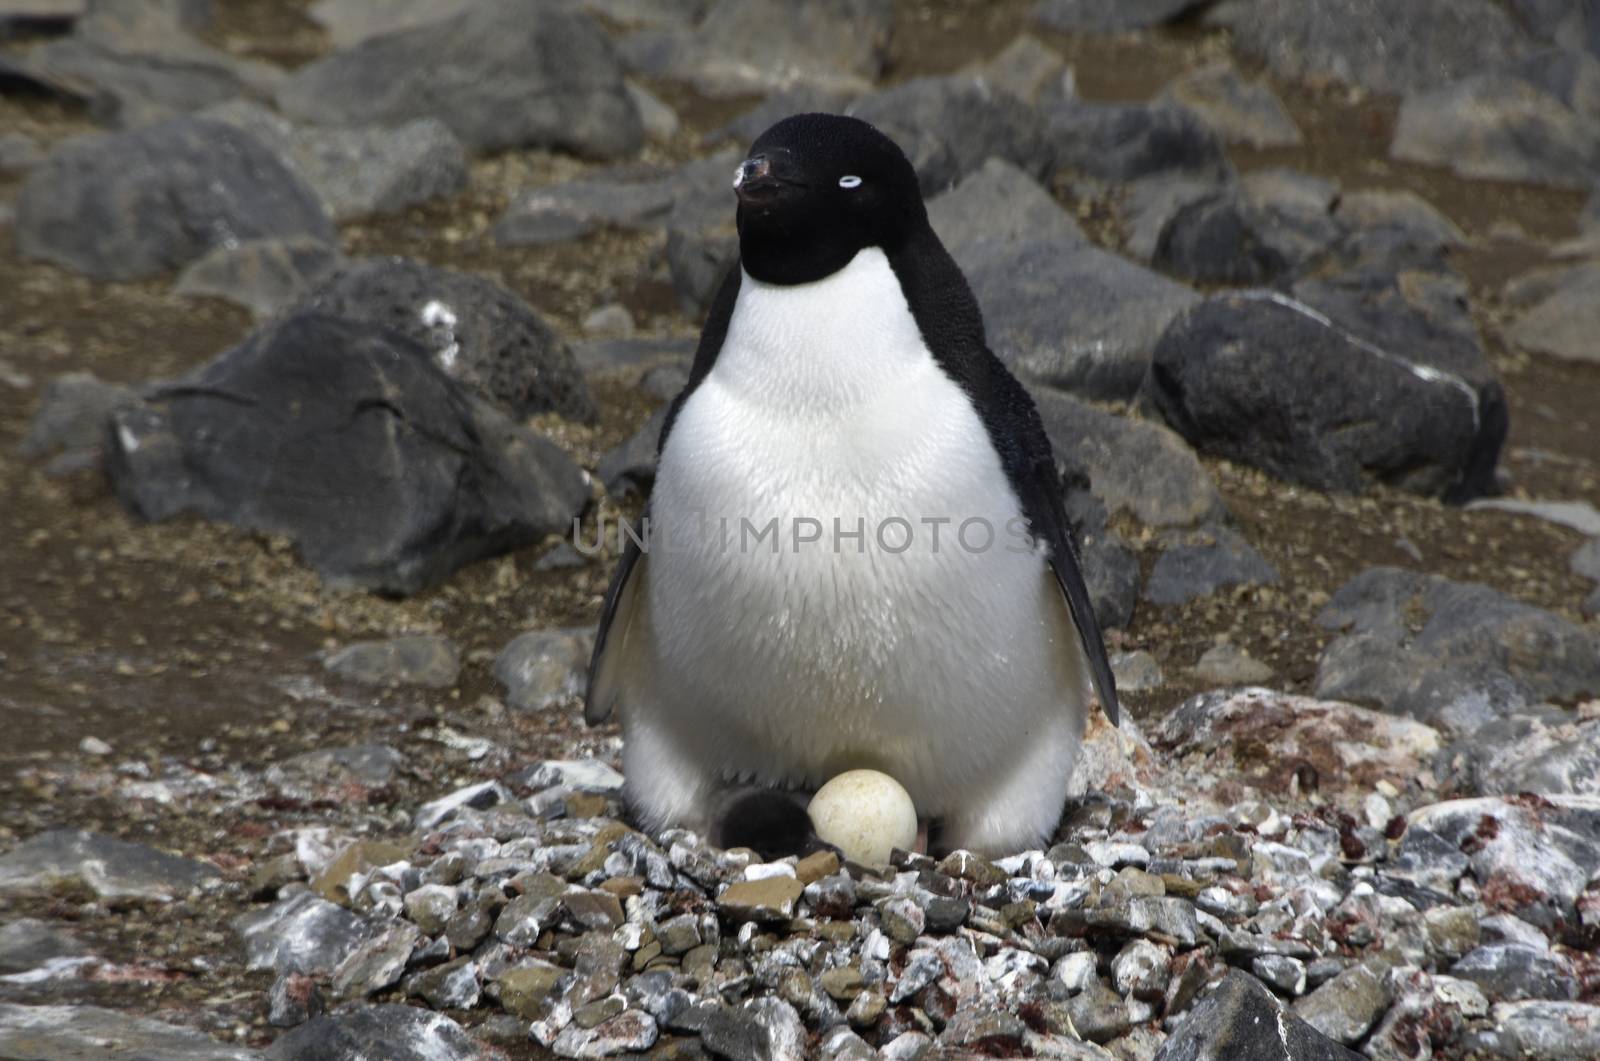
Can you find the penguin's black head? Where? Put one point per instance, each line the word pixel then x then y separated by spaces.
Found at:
pixel 816 189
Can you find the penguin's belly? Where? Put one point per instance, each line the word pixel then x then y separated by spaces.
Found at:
pixel 852 587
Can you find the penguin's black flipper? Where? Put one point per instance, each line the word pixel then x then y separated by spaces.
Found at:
pixel 947 314
pixel 601 692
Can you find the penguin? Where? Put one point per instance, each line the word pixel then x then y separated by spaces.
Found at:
pixel 857 554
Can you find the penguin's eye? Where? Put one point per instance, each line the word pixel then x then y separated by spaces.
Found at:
pixel 850 182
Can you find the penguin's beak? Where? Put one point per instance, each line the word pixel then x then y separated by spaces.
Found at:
pixel 762 179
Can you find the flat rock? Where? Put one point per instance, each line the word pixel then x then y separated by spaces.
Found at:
pixel 1254 231
pixel 752 47
pixel 1399 207
pixel 262 275
pixel 1027 68
pixel 28 943
pixel 544 669
pixel 331 400
pixel 1242 112
pixel 360 171
pixel 349 22
pixel 1133 466
pixel 1549 753
pixel 1259 738
pixel 1389 46
pixel 1239 1019
pixel 477 330
pixel 128 205
pixel 1266 380
pixel 768 899
pixel 1509 972
pixel 1563 323
pixel 1097 344
pixel 1001 205
pixel 1228 664
pixel 1581 516
pixel 557 66
pixel 623 198
pixel 69 1033
pixel 395 1033
pixel 1453 654
pixel 427 660
pixel 949 126
pixel 1201 562
pixel 1494 126
pixel 1120 142
pixel 111 868
pixel 1347 1006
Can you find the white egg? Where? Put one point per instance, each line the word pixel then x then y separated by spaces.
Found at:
pixel 866 815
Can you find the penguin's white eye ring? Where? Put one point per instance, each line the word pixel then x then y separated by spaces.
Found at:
pixel 850 182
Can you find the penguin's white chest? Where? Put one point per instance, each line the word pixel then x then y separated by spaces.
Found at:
pixel 844 578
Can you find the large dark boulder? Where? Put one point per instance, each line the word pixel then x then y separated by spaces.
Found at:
pixel 500 74
pixel 1263 379
pixel 127 205
pixel 350 440
pixel 478 332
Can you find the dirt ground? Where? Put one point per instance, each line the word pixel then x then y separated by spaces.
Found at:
pixel 197 642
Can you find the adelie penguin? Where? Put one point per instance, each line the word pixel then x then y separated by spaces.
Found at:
pixel 858 553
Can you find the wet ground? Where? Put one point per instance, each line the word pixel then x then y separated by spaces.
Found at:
pixel 200 642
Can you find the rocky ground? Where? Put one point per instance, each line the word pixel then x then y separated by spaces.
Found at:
pixel 308 361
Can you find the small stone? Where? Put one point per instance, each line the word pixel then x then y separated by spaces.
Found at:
pixel 377 963
pixel 771 899
pixel 1508 972
pixel 629 1031
pixel 453 985
pixel 815 866
pixel 903 920
pixel 967 866
pixel 526 990
pixel 594 909
pixel 1347 1006
pixel 294 999
pixel 842 984
pixel 428 661
pixel 1141 969
pixel 544 669
pixel 481 796
pixel 431 906
pixel 1099 1014
pixel 1227 664
pixel 679 935
pixel 866 1009
pixel 1284 974
pixel 1136 671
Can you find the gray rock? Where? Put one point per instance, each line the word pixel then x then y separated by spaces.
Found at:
pixel 134 64
pixel 262 275
pixel 630 1031
pixel 620 198
pixel 1133 466
pixel 360 171
pixel 1136 671
pixel 660 121
pixel 71 1032
pixel 1110 568
pixel 74 411
pixel 992 1030
pixel 395 1033
pixel 1344 1008
pixel 300 934
pixel 368 764
pixel 1094 16
pixel 28 943
pixel 1147 205
pixel 1242 112
pixel 1096 344
pixel 1563 322
pixel 1120 142
pixel 1450 653
pixel 18 154
pixel 765 1029
pixel 1098 1013
pixel 1282 973
pixel 460 481
pixel 1027 68
pixel 377 962
pixel 1253 232
pixel 1509 972
pixel 1585 560
pixel 1390 46
pixel 500 75
pixel 1556 1031
pixel 111 868
pixel 1399 207
pixel 481 796
pixel 1531 856
pixel 349 22
pixel 1268 381
pixel 1202 562
pixel 293 1000
pixel 751 47
pixel 631 466
pixel 949 126
pixel 1227 664
pixel 426 660
pixel 800 99
pixel 999 204
pixel 1240 1019
pixel 545 669
pixel 453 985
pixel 702 245
pixel 1494 126
pixel 125 206
pixel 1579 515
pixel 477 331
